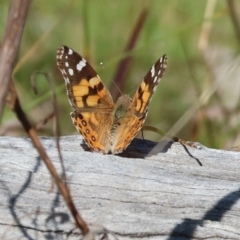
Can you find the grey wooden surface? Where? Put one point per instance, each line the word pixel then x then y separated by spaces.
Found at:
pixel 166 195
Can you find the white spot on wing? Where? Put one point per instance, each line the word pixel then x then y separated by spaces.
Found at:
pixel 66 80
pixel 70 102
pixel 155 79
pixel 70 71
pixel 66 64
pixel 70 51
pixel 159 72
pixel 153 71
pixel 81 64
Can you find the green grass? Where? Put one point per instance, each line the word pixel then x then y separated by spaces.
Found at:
pixel 100 30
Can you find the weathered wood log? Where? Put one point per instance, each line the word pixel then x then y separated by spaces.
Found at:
pixel 166 195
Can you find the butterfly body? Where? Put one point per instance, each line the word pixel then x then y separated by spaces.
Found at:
pixel 107 127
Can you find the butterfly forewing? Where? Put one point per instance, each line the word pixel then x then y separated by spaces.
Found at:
pixel 90 99
pixel 147 87
pixel 140 103
pixel 84 87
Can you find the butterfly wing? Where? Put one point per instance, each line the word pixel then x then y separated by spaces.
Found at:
pixel 87 94
pixel 147 87
pixel 86 91
pixel 128 129
pixel 93 126
pixel 140 103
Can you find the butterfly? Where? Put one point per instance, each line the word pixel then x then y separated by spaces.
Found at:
pixel 107 127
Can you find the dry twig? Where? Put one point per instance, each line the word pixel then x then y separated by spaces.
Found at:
pixel 10 45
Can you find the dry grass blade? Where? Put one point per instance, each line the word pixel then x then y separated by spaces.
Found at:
pixel 56 128
pixel 234 18
pixel 207 25
pixel 218 73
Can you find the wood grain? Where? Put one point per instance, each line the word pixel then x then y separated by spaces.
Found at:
pixel 167 195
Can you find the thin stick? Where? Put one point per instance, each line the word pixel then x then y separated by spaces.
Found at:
pixel 56 129
pixel 10 45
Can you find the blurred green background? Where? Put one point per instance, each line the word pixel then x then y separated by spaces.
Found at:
pixel 198 36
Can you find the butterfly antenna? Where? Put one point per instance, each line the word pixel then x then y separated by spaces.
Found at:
pixel 102 65
pixel 118 88
pixel 133 91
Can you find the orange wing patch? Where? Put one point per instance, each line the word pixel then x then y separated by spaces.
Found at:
pixel 147 87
